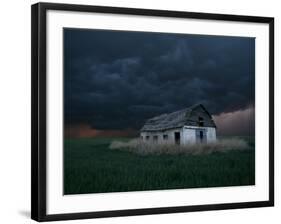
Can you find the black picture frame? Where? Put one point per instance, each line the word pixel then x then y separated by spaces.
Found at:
pixel 39 123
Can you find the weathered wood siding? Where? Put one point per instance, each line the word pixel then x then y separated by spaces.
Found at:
pixel 200 112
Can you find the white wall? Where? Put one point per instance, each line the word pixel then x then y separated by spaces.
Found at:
pixel 187 135
pixel 211 134
pixel 170 133
pixel 15 111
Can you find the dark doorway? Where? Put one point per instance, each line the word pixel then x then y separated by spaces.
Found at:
pixel 177 138
pixel 201 136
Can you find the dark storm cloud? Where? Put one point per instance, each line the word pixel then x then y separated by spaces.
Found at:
pixel 116 80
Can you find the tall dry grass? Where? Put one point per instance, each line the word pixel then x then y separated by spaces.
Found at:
pixel 145 148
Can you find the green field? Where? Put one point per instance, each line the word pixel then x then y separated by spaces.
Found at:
pixel 91 167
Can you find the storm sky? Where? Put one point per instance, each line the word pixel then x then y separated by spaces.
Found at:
pixel 115 80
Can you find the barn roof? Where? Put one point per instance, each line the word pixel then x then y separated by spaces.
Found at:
pixel 178 119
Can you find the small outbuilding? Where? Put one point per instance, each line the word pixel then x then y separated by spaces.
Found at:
pixel 188 126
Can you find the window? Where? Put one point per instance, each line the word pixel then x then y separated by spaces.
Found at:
pixel 147 137
pixel 200 122
pixel 165 137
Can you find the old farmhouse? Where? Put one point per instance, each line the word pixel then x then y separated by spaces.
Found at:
pixel 187 126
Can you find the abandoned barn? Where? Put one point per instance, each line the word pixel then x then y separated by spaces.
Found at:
pixel 187 126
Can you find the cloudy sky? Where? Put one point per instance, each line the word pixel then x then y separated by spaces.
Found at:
pixel 115 80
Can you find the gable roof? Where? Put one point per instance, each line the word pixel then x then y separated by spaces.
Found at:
pixel 178 119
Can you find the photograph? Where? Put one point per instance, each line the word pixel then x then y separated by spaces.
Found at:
pixel 146 111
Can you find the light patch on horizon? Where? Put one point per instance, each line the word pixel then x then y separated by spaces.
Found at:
pixel 86 131
pixel 240 122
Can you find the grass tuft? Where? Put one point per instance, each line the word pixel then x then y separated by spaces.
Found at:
pixel 146 148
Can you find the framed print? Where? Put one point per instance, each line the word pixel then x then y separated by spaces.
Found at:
pixel 139 111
